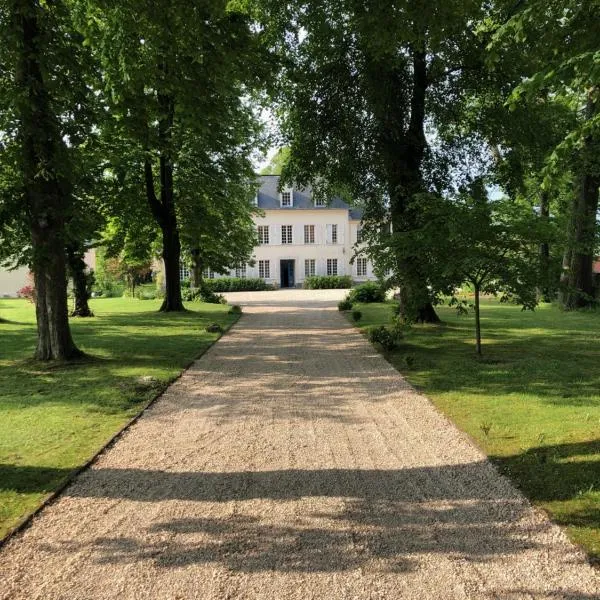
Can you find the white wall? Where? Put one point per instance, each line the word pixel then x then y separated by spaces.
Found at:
pixel 12 281
pixel 298 251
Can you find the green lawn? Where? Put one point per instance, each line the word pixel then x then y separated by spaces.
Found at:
pixel 54 418
pixel 532 403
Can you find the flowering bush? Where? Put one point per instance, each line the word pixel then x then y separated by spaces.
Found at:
pixel 27 291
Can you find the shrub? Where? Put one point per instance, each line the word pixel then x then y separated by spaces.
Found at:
pixel 236 284
pixel 214 328
pixel 367 292
pixel 356 315
pixel 235 310
pixel 328 282
pixel 384 336
pixel 203 294
pixel 345 304
pixel 28 292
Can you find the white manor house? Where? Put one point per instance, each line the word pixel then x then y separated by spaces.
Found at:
pixel 300 236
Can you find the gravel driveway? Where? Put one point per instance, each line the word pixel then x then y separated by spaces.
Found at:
pixel 292 461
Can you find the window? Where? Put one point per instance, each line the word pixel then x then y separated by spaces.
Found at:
pixel 332 266
pixel 208 274
pixel 264 269
pixel 286 198
pixel 359 235
pixel 286 234
pixel 240 272
pixel 263 234
pixel 320 201
pixel 309 267
pixel 184 272
pixel 309 234
pixel 361 267
pixel 255 201
pixel 332 234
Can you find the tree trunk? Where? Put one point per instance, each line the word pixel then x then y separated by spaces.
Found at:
pixel 80 284
pixel 580 283
pixel 477 322
pixel 196 268
pixel 406 175
pixel 164 209
pixel 171 257
pixel 545 289
pixel 46 192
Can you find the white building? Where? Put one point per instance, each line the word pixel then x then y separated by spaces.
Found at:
pixel 11 281
pixel 299 237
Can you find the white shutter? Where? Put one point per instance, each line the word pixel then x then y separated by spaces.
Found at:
pixel 341 232
pixel 329 234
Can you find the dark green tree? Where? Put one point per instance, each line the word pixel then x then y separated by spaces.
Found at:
pixel 363 81
pixel 563 37
pixel 37 53
pixel 179 79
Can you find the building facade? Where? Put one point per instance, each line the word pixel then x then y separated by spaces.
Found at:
pixel 299 237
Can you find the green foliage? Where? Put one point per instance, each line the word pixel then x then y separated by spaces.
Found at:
pixel 535 380
pixel 53 420
pixel 356 315
pixel 328 282
pixel 235 310
pixel 345 304
pixel 277 163
pixel 203 294
pixel 384 336
pixel 367 292
pixel 236 284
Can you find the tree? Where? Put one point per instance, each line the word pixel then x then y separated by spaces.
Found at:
pixel 489 245
pixel 362 82
pixel 36 49
pixel 179 78
pixel 562 35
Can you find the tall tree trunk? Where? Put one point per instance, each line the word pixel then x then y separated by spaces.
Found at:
pixel 77 269
pixel 583 239
pixel 196 268
pixel 164 209
pixel 477 321
pixel 46 192
pixel 545 290
pixel 407 180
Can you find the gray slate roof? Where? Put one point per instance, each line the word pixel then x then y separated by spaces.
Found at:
pixel 268 198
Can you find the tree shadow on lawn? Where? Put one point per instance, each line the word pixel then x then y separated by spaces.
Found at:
pixel 27 479
pixel 560 370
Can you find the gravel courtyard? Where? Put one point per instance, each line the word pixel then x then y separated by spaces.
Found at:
pixel 292 462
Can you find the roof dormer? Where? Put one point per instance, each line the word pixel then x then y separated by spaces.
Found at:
pixel 286 198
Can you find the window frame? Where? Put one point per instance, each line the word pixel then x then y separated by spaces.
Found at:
pixel 284 193
pixel 289 236
pixel 331 263
pixel 361 266
pixel 264 269
pixel 310 230
pixel 263 240
pixel 310 267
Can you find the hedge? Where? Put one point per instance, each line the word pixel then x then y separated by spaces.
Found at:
pixel 328 282
pixel 367 292
pixel 236 284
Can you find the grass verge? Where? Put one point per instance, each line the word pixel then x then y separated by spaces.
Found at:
pixel 53 418
pixel 532 402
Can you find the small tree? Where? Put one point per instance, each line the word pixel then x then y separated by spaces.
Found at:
pixel 491 245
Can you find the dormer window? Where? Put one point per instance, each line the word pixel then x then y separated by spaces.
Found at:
pixel 287 198
pixel 319 201
pixel 255 201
